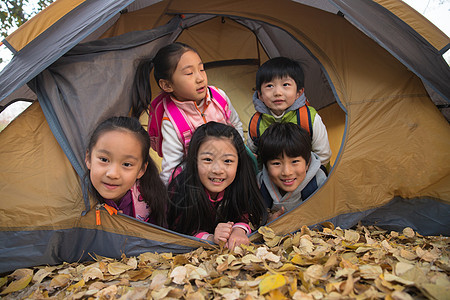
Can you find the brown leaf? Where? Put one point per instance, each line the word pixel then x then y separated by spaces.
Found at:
pixel 60 280
pixel 141 274
pixel 117 268
pixel 92 273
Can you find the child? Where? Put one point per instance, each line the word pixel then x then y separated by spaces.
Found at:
pixel 122 173
pixel 181 76
pixel 280 97
pixel 291 172
pixel 216 195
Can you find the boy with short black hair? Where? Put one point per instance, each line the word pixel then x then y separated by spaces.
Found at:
pixel 291 171
pixel 280 97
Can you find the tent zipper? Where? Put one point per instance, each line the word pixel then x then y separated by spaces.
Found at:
pixel 111 210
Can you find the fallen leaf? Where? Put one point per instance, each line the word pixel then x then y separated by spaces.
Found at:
pixel 92 273
pixel 42 273
pixel 22 278
pixel 60 280
pixel 408 232
pixel 178 274
pixel 271 282
pixel 351 236
pixel 117 268
pixel 141 274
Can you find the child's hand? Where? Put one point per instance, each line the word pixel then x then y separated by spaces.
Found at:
pixel 222 232
pixel 238 237
pixel 273 215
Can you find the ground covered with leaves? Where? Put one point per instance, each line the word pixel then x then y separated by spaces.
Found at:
pixel 362 263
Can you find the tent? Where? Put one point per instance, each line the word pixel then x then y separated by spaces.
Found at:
pixel 374 71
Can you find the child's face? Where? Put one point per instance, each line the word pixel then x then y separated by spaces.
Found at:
pixel 115 163
pixel 279 94
pixel 287 172
pixel 217 163
pixel 189 81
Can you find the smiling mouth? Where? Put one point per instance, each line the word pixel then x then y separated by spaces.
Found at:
pixel 288 180
pixel 216 180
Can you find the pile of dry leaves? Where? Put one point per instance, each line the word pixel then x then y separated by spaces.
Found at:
pixel 365 263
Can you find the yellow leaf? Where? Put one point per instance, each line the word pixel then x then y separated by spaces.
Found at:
pixel 352 246
pixel 266 232
pixel 22 278
pixel 273 241
pixel 287 267
pixel 3 281
pixel 300 260
pixel 117 268
pixel 271 282
pixel 275 295
pixel 328 225
pixel 76 286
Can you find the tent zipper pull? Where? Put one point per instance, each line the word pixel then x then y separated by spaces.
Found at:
pixel 98 221
pixel 111 210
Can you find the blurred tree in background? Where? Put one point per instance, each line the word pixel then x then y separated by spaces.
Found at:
pixel 14 13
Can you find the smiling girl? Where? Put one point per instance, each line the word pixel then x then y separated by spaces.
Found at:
pixel 122 173
pixel 216 196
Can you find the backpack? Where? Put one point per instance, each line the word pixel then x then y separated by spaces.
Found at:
pixel 162 103
pixel 304 119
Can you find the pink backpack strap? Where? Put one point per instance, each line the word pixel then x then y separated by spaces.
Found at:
pixel 221 101
pixel 180 123
pixel 141 209
pixel 156 113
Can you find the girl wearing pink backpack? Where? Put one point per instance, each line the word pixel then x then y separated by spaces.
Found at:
pixel 185 103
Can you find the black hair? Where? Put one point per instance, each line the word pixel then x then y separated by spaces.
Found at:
pixel 165 63
pixel 284 138
pixel 189 206
pixel 280 67
pixel 153 190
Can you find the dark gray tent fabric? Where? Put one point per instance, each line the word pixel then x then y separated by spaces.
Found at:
pixel 92 84
pixel 54 42
pixel 51 247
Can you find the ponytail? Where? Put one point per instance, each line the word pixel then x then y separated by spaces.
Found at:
pixel 141 92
